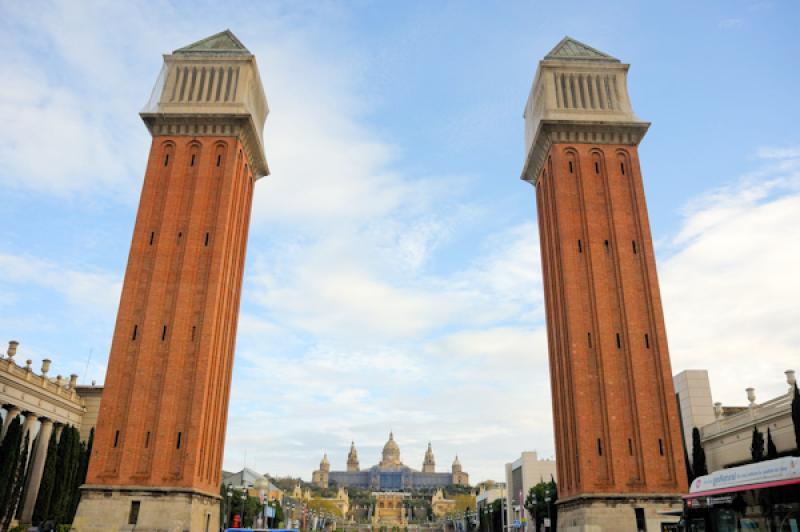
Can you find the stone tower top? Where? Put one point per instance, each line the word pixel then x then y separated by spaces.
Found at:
pixel 211 87
pixel 579 94
pixel 352 458
pixel 429 463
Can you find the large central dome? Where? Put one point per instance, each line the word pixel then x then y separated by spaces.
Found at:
pixel 391 453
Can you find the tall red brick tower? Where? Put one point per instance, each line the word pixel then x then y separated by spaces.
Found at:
pixel 618 441
pixel 157 455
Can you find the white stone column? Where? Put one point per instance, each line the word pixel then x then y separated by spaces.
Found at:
pixel 13 412
pixel 37 468
pixel 27 428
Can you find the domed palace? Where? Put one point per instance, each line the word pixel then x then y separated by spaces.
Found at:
pixel 390 474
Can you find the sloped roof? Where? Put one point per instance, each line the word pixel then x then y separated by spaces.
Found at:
pixel 245 477
pixel 224 42
pixel 570 49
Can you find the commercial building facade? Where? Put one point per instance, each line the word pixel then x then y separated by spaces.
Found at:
pixel 521 475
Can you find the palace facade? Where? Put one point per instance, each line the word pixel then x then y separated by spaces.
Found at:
pixel 390 474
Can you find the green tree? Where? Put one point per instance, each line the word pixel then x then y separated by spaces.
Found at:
pixel 698 455
pixel 17 482
pixel 689 471
pixel 80 477
pixel 537 505
pixel 41 509
pixel 66 470
pixel 796 417
pixel 9 451
pixel 757 446
pixel 772 451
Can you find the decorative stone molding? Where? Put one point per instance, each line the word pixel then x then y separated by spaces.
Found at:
pixel 578 132
pixel 230 125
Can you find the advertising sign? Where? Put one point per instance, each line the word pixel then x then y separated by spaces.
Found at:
pixel 787 468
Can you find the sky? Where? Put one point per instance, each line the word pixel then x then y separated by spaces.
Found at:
pixel 393 277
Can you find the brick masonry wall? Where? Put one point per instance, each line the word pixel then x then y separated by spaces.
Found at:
pixel 614 410
pixel 164 410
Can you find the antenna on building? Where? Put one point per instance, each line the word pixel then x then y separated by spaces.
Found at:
pixel 88 359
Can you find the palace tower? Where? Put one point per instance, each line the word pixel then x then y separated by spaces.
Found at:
pixel 157 455
pixel 618 441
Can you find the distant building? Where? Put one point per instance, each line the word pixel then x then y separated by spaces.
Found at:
pixel 726 432
pixel 521 475
pixel 441 506
pixel 488 492
pixel 390 474
pixel 390 509
pixel 246 480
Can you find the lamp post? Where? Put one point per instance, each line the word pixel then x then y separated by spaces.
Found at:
pixel 547 502
pixel 244 502
pixel 503 513
pixel 533 514
pixel 228 495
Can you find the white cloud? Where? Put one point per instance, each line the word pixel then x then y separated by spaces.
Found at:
pixel 92 292
pixel 730 287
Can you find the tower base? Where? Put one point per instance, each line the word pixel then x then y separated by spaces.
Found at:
pixel 114 509
pixel 617 513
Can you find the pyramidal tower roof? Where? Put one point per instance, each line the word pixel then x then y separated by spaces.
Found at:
pixel 570 49
pixel 224 42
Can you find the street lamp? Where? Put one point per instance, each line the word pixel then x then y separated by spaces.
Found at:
pixel 228 495
pixel 547 502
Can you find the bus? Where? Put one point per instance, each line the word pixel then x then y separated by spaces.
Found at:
pixel 763 496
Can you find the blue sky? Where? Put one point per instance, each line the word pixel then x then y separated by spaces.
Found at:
pixel 392 278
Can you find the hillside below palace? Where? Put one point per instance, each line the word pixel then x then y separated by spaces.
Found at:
pixel 390 474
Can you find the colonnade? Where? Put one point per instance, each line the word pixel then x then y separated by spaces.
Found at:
pixel 44 405
pixel 36 454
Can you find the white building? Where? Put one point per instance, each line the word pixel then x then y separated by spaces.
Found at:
pixel 726 432
pixel 521 475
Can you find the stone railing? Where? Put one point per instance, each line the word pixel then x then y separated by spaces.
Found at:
pixel 59 385
pixel 758 413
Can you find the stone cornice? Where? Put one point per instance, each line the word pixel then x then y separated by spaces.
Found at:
pixel 618 498
pixel 199 125
pixel 578 132
pixel 157 490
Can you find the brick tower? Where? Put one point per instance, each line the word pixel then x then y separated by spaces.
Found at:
pixel 618 443
pixel 157 455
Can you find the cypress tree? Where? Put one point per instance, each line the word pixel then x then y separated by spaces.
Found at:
pixel 796 417
pixel 16 483
pixel 80 477
pixel 66 470
pixel 9 450
pixel 689 473
pixel 772 451
pixel 41 510
pixel 699 466
pixel 757 446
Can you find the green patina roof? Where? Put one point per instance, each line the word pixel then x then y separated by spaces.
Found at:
pixel 224 42
pixel 569 48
